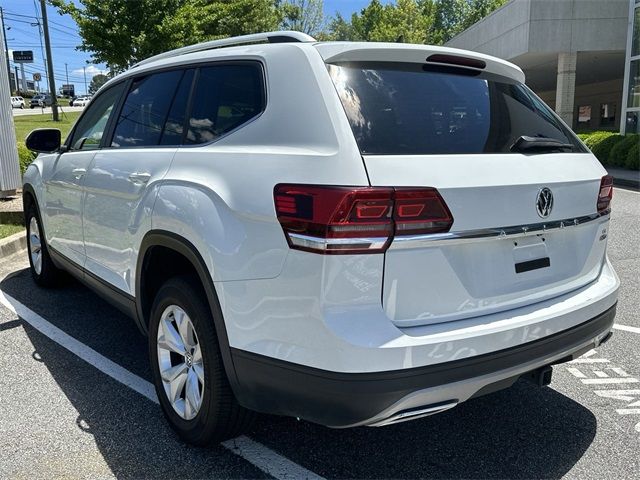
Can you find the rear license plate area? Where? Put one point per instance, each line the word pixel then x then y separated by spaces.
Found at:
pixel 530 253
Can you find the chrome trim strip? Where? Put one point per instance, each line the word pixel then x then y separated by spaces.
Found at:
pixel 335 243
pixel 403 416
pixel 449 238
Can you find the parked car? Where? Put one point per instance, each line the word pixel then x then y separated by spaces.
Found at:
pixel 41 101
pixel 393 231
pixel 17 102
pixel 81 101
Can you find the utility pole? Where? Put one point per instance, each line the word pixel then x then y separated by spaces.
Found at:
pixel 6 49
pixel 86 92
pixel 47 43
pixel 67 72
pixel 17 84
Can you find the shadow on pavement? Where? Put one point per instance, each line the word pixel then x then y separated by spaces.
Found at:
pixel 523 432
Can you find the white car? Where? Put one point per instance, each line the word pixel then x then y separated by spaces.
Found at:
pixel 17 102
pixel 347 233
pixel 81 101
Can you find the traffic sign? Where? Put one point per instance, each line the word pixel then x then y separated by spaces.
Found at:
pixel 23 56
pixel 37 77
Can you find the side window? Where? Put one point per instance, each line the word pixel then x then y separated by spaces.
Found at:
pixel 225 97
pixel 145 109
pixel 90 128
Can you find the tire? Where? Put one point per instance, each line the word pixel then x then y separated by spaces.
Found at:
pixel 43 271
pixel 219 416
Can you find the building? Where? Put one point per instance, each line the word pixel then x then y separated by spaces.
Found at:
pixel 31 85
pixel 582 57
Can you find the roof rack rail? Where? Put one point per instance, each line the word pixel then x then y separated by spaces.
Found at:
pixel 270 37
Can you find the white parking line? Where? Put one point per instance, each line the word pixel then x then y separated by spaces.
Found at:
pixel 590 360
pixel 255 453
pixel 626 328
pixel 267 460
pixel 87 354
pixel 596 381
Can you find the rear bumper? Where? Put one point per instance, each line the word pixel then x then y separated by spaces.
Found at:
pixel 340 399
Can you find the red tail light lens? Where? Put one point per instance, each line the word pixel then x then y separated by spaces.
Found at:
pixel 420 211
pixel 605 194
pixel 341 220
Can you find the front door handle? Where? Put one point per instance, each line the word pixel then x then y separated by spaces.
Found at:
pixel 139 177
pixel 78 173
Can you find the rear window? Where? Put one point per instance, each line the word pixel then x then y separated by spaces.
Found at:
pixel 414 109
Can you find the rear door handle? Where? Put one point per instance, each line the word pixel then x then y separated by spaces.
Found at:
pixel 139 177
pixel 78 173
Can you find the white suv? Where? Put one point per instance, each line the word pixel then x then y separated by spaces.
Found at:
pixel 348 233
pixel 17 102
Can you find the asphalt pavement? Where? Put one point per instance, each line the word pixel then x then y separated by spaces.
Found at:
pixel 62 416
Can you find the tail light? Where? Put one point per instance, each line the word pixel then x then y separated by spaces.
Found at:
pixel 348 220
pixel 605 194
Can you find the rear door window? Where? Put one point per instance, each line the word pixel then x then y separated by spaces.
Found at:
pixel 411 109
pixel 145 110
pixel 225 97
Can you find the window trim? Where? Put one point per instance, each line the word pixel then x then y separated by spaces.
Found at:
pixel 108 136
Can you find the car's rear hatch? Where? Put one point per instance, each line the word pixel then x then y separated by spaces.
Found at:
pixel 452 126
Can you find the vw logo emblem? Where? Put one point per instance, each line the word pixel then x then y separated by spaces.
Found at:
pixel 544 202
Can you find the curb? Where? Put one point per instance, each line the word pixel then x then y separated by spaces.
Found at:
pixel 13 244
pixel 623 182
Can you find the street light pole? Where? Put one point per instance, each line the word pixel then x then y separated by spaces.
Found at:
pixel 6 49
pixel 47 43
pixel 66 69
pixel 86 92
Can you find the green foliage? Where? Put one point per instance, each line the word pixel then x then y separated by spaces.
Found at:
pixel 96 82
pixel 602 149
pixel 200 20
pixel 303 16
pixel 411 21
pixel 24 124
pixel 122 32
pixel 619 152
pixel 633 157
pixel 25 156
pixel 596 137
pixel 9 229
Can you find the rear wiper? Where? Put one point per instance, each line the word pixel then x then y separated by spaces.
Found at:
pixel 525 143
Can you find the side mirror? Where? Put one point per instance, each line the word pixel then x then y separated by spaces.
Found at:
pixel 44 140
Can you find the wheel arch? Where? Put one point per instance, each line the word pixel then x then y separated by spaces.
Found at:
pixel 179 245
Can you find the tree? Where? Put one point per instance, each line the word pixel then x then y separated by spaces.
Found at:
pixel 123 32
pixel 412 21
pixel 120 32
pixel 200 20
pixel 453 16
pixel 338 29
pixel 96 82
pixel 303 16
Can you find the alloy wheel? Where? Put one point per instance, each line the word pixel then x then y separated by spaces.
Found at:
pixel 35 245
pixel 180 362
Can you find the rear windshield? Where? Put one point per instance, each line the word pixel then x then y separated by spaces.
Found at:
pixel 413 109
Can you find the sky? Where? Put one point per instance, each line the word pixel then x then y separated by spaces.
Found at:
pixel 21 33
